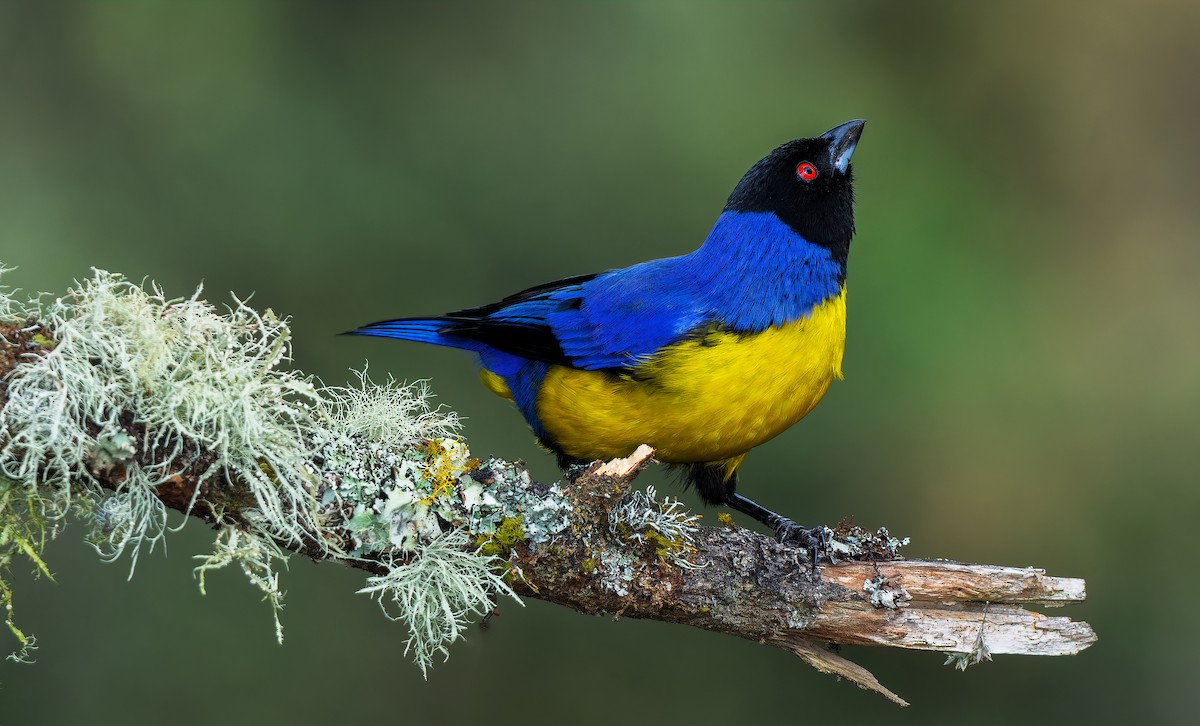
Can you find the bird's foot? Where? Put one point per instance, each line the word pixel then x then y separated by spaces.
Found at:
pixel 815 541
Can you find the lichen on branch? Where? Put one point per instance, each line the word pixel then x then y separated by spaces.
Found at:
pixel 118 404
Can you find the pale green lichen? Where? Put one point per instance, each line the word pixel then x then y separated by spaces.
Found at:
pixel 24 524
pixel 196 379
pixel 124 521
pixel 388 465
pixel 436 591
pixel 663 524
pixel 258 557
pixel 394 472
pixel 129 370
pixel 11 309
pixel 140 385
pixel 389 415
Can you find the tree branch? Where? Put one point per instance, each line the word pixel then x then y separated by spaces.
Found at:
pixel 590 544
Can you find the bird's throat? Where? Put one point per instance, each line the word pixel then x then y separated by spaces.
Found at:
pixel 760 273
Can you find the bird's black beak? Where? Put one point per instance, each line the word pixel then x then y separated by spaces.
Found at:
pixel 842 140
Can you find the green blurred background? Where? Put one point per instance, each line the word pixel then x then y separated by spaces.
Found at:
pixel 1021 373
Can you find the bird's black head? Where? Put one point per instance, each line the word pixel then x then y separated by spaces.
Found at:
pixel 807 184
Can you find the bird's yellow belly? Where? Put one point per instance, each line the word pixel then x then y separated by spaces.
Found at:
pixel 704 400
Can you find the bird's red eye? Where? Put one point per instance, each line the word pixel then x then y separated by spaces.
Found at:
pixel 806 171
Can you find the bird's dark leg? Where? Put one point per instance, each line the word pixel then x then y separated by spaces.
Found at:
pixel 716 487
pixel 815 540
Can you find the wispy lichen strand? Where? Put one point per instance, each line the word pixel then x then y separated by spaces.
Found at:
pixel 436 591
pixel 23 533
pixel 259 559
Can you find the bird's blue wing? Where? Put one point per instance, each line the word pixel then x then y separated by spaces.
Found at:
pixel 518 324
pixel 609 320
pixel 623 316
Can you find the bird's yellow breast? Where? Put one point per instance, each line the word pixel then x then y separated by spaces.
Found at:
pixel 707 399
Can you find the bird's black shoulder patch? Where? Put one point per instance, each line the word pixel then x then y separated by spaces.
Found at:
pixel 523 296
pixel 526 339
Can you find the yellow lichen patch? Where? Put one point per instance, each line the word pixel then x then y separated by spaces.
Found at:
pixel 265 467
pixel 663 546
pixel 501 542
pixel 726 519
pixel 445 461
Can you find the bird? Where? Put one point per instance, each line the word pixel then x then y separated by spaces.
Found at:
pixel 702 356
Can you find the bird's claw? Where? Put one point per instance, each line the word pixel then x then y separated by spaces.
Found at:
pixel 815 541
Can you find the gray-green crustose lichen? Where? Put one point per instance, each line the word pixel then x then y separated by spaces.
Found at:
pixel 851 542
pixel 643 531
pixel 497 492
pixel 884 593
